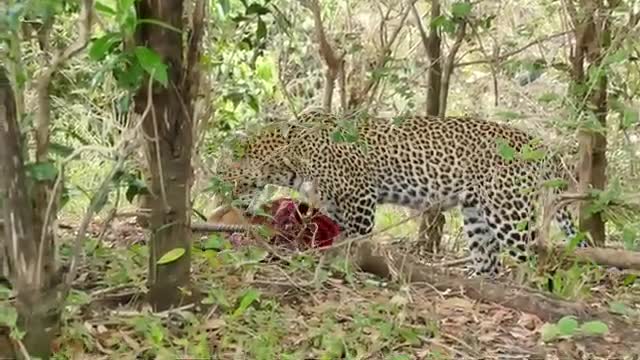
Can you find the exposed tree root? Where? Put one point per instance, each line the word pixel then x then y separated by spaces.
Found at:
pixel 622 259
pixel 387 263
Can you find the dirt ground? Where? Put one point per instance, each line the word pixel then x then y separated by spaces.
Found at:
pixel 264 308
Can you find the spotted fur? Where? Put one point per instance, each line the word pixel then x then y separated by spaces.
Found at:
pixel 418 162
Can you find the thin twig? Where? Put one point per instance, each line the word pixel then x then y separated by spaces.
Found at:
pixel 335 64
pixel 382 60
pixel 514 52
pixel 102 192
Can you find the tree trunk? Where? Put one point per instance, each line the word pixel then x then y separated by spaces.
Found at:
pixel 30 261
pixel 433 220
pixel 592 41
pixel 168 127
pixel 433 48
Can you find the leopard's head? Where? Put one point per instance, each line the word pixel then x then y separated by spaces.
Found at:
pixel 253 162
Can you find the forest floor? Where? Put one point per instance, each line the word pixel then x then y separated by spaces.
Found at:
pixel 256 307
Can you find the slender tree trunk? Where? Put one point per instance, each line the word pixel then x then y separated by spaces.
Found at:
pixel 433 48
pixel 35 281
pixel 590 90
pixel 168 127
pixel 433 221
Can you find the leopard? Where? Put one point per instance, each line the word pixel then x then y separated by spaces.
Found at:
pixel 495 173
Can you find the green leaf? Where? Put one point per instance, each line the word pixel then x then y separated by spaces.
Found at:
pixel 567 326
pixel 264 232
pixel 8 316
pixel 128 72
pixel 555 183
pixel 156 333
pixel 78 298
pixel 256 254
pixel 261 31
pixel 215 242
pixel 620 308
pixel 410 336
pixel 548 97
pixel 100 47
pixel 152 64
pixel 265 69
pixel 522 225
pixel 5 292
pixel 527 153
pixel 253 103
pixel 461 9
pixel 505 150
pixel 595 327
pixel 629 279
pixel 444 23
pixel 224 6
pixel 617 57
pixel 171 256
pixel 100 7
pixel 629 118
pixel 135 187
pixel 249 297
pixel 549 332
pixel 46 171
pixel 258 9
pixel 60 149
pixel 574 241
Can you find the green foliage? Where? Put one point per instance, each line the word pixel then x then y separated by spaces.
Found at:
pixel 347 132
pixel 46 171
pixel 505 150
pixel 461 9
pixel 152 64
pixel 458 12
pixel 528 152
pixel 249 297
pixel 171 256
pixel 569 326
pixel 220 187
pixel 9 318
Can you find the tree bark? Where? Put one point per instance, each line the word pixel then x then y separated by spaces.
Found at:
pixel 35 281
pixel 592 40
pixel 433 48
pixel 433 220
pixel 168 128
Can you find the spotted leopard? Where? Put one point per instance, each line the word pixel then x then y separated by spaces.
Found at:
pixel 492 171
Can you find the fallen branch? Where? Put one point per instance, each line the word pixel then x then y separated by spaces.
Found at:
pixel 621 259
pixel 227 228
pixel 389 264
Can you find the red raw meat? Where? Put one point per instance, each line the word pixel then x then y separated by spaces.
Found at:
pixel 296 224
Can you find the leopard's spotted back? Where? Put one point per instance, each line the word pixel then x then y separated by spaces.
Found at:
pixel 491 170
